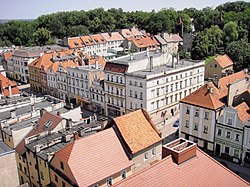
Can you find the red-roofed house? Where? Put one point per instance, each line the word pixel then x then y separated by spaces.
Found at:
pixel 184 165
pixel 218 67
pixel 96 160
pixel 140 138
pixel 200 110
pixel 8 88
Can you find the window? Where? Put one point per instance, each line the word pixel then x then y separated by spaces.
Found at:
pixel 145 156
pixel 205 129
pixel 141 95
pixel 229 121
pixel 141 84
pixel 158 91
pixel 130 82
pixel 121 80
pixel 62 166
pixel 206 115
pixel 237 137
pixel 131 106
pixel 196 113
pixel 56 178
pixel 117 79
pixel 153 152
pixel 124 174
pixel 227 149
pixel 236 153
pixel 219 132
pixel 228 135
pixel 109 181
pixel 187 124
pixel 42 177
pixel 135 94
pixel 130 93
pixel 63 184
pixel 187 111
pixel 135 83
pixel 196 127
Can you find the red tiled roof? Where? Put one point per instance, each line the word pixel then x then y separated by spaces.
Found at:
pixel 137 130
pixel 202 97
pixel 243 112
pixel 119 68
pixel 40 129
pixel 142 42
pixel 75 42
pixel 94 158
pixel 223 60
pixel 4 86
pixel 113 36
pixel 87 40
pixel 7 55
pixel 201 170
pixel 98 38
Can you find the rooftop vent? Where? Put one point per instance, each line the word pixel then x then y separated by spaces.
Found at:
pixel 180 149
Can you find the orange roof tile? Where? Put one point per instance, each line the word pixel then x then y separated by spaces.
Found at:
pixel 203 98
pixel 172 37
pixel 223 60
pixel 225 81
pixel 94 158
pixel 112 36
pixel 201 170
pixel 7 55
pixel 87 40
pixel 126 33
pixel 142 42
pixel 98 38
pixel 75 42
pixel 137 130
pixel 243 112
pixel 4 86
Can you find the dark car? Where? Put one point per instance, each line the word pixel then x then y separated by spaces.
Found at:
pixel 176 123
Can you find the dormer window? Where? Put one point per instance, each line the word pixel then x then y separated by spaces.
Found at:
pixel 229 121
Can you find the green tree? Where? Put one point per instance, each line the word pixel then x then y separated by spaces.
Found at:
pixel 239 52
pixel 230 32
pixel 42 36
pixel 207 43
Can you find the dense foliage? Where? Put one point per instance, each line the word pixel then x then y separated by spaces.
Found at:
pixel 217 30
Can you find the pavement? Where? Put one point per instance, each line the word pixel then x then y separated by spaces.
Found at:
pixel 243 172
pixel 167 129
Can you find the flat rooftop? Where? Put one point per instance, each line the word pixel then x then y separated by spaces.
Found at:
pixel 164 68
pixel 4 149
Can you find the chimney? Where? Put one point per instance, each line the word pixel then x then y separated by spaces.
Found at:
pixel 13 114
pixel 216 81
pixel 41 54
pixel 76 136
pixel 131 56
pixel 210 89
pixel 172 61
pixel 96 64
pixel 42 112
pixel 181 150
pixel 151 65
pixel 110 34
pixel 58 113
pixel 68 124
pixel 10 90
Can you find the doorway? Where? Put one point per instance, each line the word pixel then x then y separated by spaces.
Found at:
pixel 217 150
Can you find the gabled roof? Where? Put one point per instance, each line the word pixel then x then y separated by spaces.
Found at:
pixel 87 40
pixel 4 86
pixel 224 60
pixel 243 112
pixel 201 170
pixel 47 122
pixel 126 33
pixel 112 36
pixel 142 42
pixel 172 37
pixel 203 98
pixel 75 42
pixel 225 81
pixel 7 55
pixel 98 38
pixel 94 158
pixel 137 130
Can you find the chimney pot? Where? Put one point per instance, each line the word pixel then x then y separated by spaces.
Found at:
pixel 76 136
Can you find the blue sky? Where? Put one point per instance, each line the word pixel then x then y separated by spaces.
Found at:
pixel 20 9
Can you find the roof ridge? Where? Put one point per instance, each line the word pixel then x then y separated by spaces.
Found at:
pixel 211 158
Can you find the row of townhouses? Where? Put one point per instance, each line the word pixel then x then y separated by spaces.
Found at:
pixel 155 81
pixel 217 117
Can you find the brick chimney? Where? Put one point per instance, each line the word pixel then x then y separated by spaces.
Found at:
pixel 180 149
pixel 76 136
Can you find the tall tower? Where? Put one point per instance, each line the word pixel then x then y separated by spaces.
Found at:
pixel 179 26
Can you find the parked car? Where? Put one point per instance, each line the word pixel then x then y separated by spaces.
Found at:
pixel 176 123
